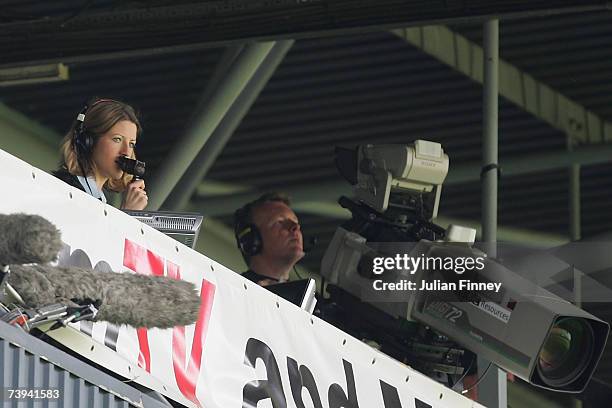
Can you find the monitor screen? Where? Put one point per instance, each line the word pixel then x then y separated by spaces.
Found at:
pixel 182 226
pixel 300 292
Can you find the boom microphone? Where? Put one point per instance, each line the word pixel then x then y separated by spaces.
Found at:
pixel 124 298
pixel 27 239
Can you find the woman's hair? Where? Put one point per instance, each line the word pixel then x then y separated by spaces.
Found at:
pixel 100 116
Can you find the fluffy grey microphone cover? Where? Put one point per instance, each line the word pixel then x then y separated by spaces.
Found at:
pixel 28 239
pixel 127 298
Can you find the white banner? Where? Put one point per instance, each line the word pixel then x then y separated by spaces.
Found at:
pixel 249 347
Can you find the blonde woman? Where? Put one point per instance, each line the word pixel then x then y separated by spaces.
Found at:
pixel 103 131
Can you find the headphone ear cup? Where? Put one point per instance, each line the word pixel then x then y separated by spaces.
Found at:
pixel 83 143
pixel 88 143
pixel 249 240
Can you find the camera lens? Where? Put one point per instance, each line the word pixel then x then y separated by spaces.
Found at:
pixel 566 352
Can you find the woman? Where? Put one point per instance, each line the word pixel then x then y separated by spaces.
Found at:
pixel 105 130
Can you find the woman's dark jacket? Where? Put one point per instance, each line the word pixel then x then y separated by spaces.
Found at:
pixel 63 174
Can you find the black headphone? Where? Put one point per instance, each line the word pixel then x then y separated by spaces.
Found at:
pixel 248 237
pixel 83 140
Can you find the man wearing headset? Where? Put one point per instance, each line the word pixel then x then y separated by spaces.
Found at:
pixel 269 237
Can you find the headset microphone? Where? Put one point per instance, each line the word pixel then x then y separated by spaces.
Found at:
pixel 310 244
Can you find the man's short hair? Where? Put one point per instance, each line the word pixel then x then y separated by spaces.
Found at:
pixel 244 215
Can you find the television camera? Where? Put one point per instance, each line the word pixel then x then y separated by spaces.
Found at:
pixel 430 315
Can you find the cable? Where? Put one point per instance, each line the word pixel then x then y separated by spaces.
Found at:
pixel 85 175
pixel 322 287
pixel 448 376
pixel 12 315
pixel 296 272
pixel 44 333
pixel 467 370
pixel 477 381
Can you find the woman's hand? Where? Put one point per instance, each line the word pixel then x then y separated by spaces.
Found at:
pixel 135 197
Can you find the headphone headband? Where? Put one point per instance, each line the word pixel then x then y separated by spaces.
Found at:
pixel 81 115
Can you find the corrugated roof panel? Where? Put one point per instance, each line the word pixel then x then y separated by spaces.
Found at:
pixel 570 52
pixel 83 386
pixel 367 88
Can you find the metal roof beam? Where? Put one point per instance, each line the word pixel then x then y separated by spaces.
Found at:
pixel 461 173
pixel 30 141
pixel 167 26
pixel 222 98
pixel 220 244
pixel 216 142
pixel 581 125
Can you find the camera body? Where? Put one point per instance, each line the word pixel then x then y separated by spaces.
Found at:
pixel 507 319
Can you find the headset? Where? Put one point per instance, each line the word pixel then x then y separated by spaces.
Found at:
pixel 83 140
pixel 247 234
pixel 248 237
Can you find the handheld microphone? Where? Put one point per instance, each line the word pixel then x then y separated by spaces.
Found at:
pixel 124 298
pixel 28 238
pixel 132 166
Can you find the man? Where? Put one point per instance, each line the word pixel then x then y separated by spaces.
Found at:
pixel 268 235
